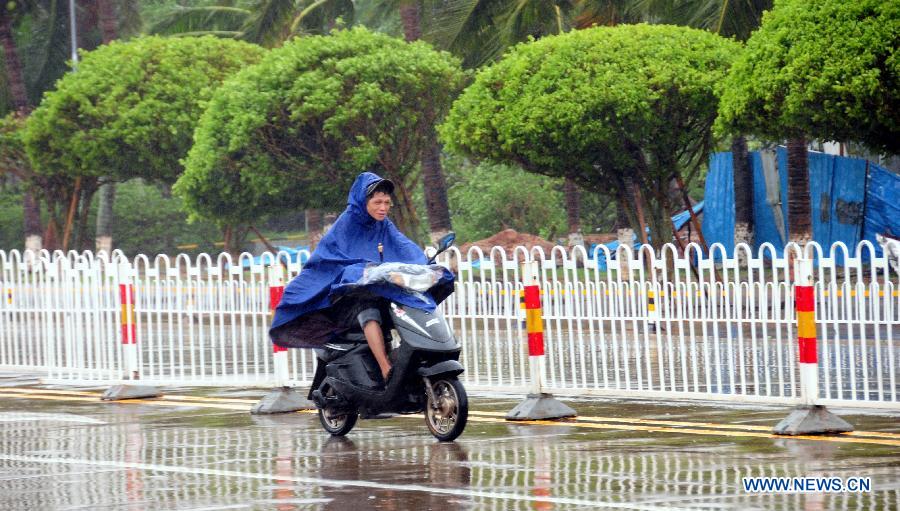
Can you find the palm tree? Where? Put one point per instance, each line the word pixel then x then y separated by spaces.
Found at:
pixel 10 14
pixel 729 18
pixel 477 31
pixel 267 22
pixel 106 13
pixel 799 208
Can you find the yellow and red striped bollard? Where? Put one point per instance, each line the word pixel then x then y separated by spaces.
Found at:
pixel 805 303
pixel 129 330
pixel 538 405
pixel 534 324
pixel 276 292
pixel 808 418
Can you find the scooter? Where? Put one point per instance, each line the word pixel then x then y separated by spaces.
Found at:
pixel 425 360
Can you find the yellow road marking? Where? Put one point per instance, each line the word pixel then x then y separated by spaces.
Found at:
pixel 694 431
pixel 126 401
pixel 716 425
pixel 621 424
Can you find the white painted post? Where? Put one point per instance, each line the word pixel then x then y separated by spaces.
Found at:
pixel 129 332
pixel 534 325
pixel 804 294
pixel 279 354
pixel 809 418
pixel 538 405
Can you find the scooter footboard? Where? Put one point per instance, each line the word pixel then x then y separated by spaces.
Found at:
pixel 444 368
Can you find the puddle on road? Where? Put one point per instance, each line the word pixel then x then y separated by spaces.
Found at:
pixel 139 457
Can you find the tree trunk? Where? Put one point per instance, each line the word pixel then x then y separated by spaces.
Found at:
pixel 14 75
pixel 19 96
pixel 743 192
pixel 435 188
pixel 573 212
pixel 799 216
pixel 32 211
pixel 404 213
pixel 106 11
pixel 88 189
pixel 624 231
pixel 70 216
pixel 109 22
pixel 435 185
pixel 412 22
pixel 105 218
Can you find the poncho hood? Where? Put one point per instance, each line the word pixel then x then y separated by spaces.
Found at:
pixel 349 246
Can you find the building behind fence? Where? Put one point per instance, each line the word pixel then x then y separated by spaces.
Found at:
pixel 692 325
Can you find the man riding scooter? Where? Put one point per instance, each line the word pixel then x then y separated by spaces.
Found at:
pixel 306 317
pixel 354 284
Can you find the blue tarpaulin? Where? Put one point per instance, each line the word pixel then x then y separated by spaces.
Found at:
pixel 679 220
pixel 291 255
pixel 882 203
pixel 843 200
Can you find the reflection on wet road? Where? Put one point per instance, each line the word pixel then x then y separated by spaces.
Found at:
pixel 63 450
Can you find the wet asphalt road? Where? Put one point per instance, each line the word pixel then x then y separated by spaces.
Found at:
pixel 62 448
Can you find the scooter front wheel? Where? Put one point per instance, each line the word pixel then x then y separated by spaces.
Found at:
pixel 336 422
pixel 447 409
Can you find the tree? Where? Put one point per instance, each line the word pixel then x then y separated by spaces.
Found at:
pixel 54 190
pixel 129 110
pixel 731 19
pixel 266 22
pixel 296 129
pixel 826 69
pixel 603 105
pixel 488 198
pixel 106 12
pixel 9 15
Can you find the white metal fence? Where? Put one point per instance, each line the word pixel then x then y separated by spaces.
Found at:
pixel 720 326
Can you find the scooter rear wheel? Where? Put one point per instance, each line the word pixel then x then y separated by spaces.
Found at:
pixel 447 412
pixel 336 422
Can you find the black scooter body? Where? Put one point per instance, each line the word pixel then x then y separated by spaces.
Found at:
pixel 427 348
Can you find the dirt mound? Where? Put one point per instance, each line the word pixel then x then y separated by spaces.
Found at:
pixel 509 239
pixel 604 237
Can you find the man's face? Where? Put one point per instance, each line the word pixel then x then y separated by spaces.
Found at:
pixel 379 205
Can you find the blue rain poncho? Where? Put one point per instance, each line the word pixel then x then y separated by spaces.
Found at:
pixel 337 268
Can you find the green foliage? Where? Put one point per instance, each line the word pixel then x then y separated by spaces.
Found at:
pixel 11 235
pixel 265 22
pixel 828 69
pixel 488 198
pixel 599 105
pixel 149 221
pixel 130 109
pixel 296 129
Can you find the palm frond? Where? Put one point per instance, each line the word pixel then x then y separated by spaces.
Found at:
pixel 227 34
pixel 381 16
pixel 182 20
pixel 270 22
pixel 320 16
pixel 589 13
pixel 443 21
pixel 131 22
pixel 46 55
pixel 729 18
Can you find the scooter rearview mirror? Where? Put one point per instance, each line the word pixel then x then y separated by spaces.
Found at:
pixel 446 241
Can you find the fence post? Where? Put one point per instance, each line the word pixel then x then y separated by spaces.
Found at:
pixel 538 405
pixel 128 336
pixel 282 399
pixel 808 418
